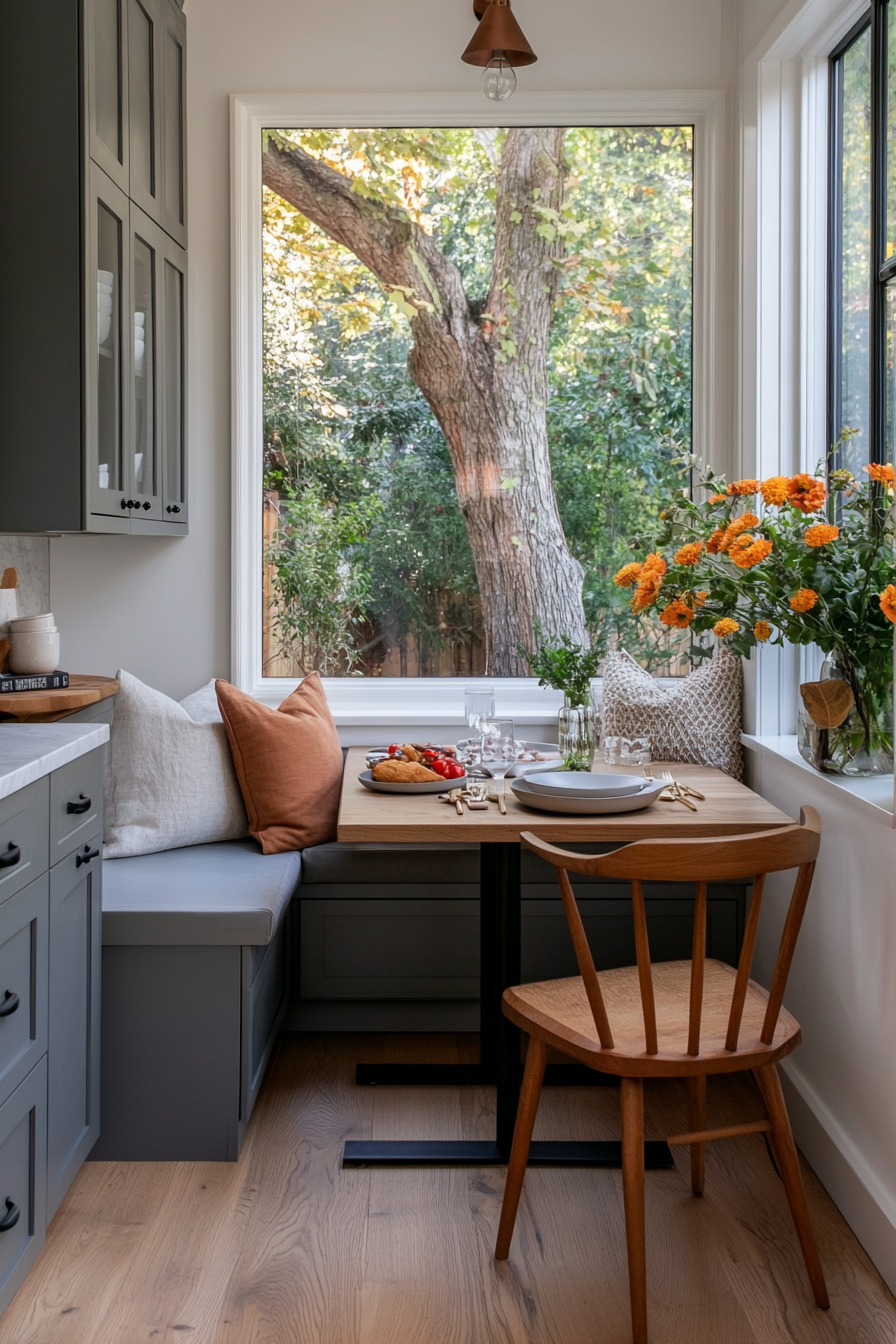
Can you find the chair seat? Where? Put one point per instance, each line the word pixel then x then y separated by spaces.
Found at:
pixel 558 1012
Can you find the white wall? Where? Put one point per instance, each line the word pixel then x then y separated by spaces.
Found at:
pixel 161 608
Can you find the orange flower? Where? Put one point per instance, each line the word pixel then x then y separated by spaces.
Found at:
pixel 677 614
pixel 775 490
pixel 884 475
pixel 735 527
pixel 806 493
pixel 888 602
pixel 746 551
pixel 689 554
pixel 762 630
pixel 820 534
pixel 725 627
pixel 804 599
pixel 747 487
pixel 627 575
pixel 717 499
pixel 700 597
pixel 714 545
pixel 655 564
pixel 647 590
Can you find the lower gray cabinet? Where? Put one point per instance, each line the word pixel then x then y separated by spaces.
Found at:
pixel 23 1205
pixel 24 923
pixel 74 1016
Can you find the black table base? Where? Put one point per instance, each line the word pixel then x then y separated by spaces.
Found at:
pixel 500 935
pixel 463 1153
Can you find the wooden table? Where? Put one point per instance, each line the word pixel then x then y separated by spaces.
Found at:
pixel 730 809
pixel 48 706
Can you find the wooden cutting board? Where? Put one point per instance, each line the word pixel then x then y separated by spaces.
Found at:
pixel 48 706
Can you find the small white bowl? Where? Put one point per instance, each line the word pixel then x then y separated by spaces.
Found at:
pixel 34 653
pixel 23 624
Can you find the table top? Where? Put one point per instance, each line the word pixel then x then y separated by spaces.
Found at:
pixel 47 706
pixel 730 809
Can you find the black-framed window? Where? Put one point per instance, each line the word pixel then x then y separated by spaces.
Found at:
pixel 862 290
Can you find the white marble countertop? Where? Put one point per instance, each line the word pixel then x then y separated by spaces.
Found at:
pixel 28 751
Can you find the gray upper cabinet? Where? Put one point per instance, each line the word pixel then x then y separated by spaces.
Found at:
pixel 94 427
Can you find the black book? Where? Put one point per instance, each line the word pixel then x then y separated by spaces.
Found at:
pixel 47 681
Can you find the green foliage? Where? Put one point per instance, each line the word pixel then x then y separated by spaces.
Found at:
pixel 563 665
pixel 344 423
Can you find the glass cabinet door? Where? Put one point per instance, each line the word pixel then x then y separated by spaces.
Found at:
pixel 108 354
pixel 106 35
pixel 173 193
pixel 174 468
pixel 144 439
pixel 144 97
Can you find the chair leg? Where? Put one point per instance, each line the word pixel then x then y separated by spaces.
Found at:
pixel 697 1121
pixel 530 1095
pixel 792 1178
pixel 633 1198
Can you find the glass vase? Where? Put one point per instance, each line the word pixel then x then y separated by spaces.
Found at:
pixel 863 743
pixel 575 734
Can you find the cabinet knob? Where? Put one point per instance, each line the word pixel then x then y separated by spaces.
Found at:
pixel 146 504
pixel 124 503
pixel 11 856
pixel 86 856
pixel 10 1003
pixel 172 508
pixel 11 1217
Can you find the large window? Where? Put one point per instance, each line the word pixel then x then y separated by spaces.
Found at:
pixel 863 240
pixel 476 381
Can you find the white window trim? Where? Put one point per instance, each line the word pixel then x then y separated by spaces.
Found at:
pixel 436 701
pixel 783 246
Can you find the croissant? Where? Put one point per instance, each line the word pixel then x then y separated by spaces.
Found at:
pixel 403 772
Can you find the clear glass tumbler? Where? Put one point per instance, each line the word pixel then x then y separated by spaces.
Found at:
pixel 498 745
pixel 479 703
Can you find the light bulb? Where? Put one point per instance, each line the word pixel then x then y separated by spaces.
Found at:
pixel 498 80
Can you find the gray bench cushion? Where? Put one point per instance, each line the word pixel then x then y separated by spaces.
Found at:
pixel 229 893
pixel 346 862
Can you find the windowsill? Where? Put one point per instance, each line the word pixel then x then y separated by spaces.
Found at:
pixel 872 796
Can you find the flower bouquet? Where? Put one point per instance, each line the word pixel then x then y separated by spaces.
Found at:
pixel 789 559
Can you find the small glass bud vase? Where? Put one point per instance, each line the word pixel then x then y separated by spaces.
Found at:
pixel 575 734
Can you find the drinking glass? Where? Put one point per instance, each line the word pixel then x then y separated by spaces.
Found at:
pixel 498 745
pixel 479 703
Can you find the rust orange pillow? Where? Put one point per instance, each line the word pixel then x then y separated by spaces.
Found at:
pixel 288 762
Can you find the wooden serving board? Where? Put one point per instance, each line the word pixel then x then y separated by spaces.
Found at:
pixel 48 706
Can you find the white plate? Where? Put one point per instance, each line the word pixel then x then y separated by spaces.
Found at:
pixel 586 807
pixel 425 786
pixel 579 784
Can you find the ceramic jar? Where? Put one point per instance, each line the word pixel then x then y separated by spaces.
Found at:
pixel 33 645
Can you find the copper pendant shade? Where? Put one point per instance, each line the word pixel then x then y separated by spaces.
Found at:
pixel 498 31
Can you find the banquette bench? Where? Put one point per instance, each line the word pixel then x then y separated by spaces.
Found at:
pixel 208 951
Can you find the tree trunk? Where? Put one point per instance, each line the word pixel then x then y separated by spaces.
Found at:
pixel 485 379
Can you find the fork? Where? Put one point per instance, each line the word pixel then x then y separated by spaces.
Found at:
pixel 683 788
pixel 674 789
pixel 497 789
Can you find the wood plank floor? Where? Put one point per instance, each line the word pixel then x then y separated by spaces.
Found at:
pixel 286 1247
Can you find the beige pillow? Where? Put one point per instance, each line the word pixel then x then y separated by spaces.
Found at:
pixel 698 721
pixel 288 762
pixel 169 780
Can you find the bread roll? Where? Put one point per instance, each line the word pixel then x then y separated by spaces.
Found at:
pixel 404 772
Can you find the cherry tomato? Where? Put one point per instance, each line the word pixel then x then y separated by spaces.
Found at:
pixel 431 755
pixel 454 771
pixel 440 768
pixel 392 748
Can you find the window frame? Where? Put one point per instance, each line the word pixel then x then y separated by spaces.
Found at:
pixel 436 701
pixel 882 271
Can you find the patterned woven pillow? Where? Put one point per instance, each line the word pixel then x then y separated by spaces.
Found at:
pixel 698 721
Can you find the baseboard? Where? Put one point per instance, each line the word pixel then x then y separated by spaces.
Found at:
pixel 383 1015
pixel 867 1206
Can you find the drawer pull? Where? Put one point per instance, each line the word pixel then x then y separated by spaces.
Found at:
pixel 11 857
pixel 10 1003
pixel 11 1217
pixel 82 805
pixel 86 856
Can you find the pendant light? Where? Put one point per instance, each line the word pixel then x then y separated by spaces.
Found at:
pixel 497 45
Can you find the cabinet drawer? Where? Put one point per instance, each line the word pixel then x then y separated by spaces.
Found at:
pixel 24 921
pixel 23 1145
pixel 23 837
pixel 76 803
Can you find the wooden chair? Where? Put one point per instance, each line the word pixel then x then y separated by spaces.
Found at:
pixel 674 1019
